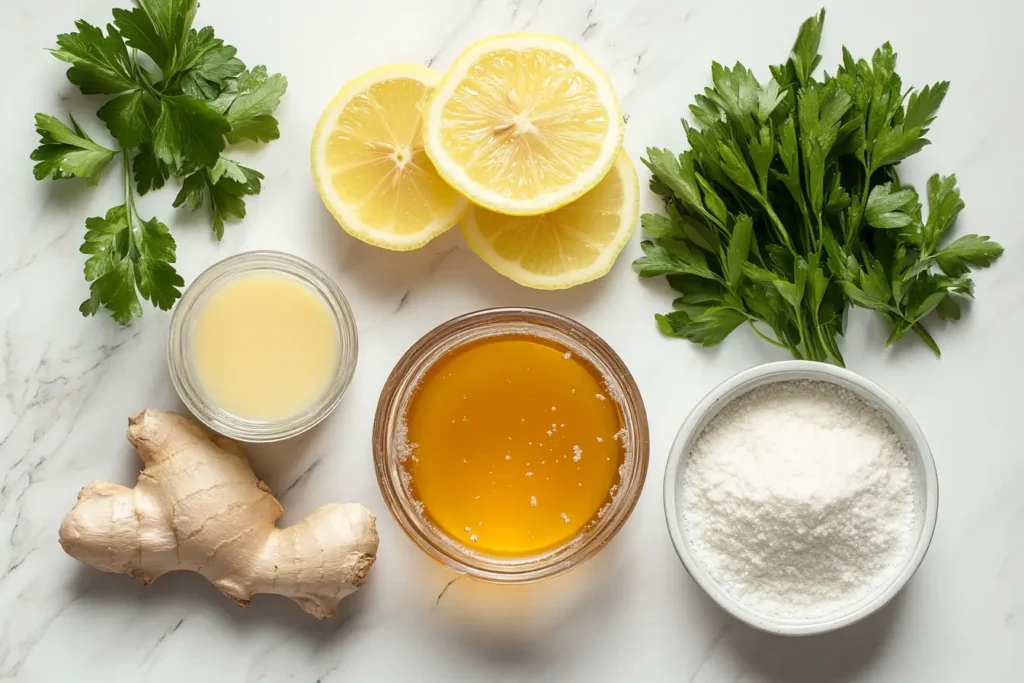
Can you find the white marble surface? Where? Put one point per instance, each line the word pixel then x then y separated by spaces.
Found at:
pixel 68 383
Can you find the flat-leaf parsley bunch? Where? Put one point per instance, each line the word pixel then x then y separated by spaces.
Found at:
pixel 173 117
pixel 788 207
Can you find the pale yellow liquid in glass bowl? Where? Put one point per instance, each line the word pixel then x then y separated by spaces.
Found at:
pixel 265 346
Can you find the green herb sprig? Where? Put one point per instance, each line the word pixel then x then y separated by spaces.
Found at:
pixel 174 122
pixel 788 207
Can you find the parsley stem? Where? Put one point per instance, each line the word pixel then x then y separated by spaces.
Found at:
pixel 779 227
pixel 816 240
pixel 129 202
pixel 814 349
pixel 141 76
pixel 803 213
pixel 806 343
pixel 854 228
pixel 762 335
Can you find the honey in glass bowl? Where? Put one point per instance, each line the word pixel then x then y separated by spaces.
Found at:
pixel 511 443
pixel 513 446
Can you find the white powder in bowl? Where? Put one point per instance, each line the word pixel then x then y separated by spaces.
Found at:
pixel 799 499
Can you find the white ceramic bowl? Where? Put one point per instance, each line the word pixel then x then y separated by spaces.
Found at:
pixel 921 464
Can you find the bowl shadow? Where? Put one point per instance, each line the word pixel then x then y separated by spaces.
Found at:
pixel 509 625
pixel 838 656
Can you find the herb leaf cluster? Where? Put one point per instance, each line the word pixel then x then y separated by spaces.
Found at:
pixel 788 207
pixel 172 118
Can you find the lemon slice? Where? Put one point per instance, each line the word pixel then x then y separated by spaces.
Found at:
pixel 523 124
pixel 575 244
pixel 369 165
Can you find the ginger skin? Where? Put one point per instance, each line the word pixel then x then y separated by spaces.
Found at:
pixel 198 506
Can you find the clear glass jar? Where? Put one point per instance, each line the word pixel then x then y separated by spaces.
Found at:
pixel 388 438
pixel 182 369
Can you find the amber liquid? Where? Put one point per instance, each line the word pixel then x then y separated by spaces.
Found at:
pixel 516 445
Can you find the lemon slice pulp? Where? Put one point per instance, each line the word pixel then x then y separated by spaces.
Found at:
pixel 369 164
pixel 575 244
pixel 523 124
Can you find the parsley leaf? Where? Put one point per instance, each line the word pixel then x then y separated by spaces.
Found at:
pixel 188 132
pixel 127 118
pixel 944 205
pixel 226 168
pixel 977 250
pixel 948 309
pixel 192 192
pixel 208 65
pixel 254 98
pixel 665 257
pixel 100 64
pixel 678 178
pixel 67 153
pixel 150 172
pixel 739 250
pixel 110 267
pixel 138 32
pixel 156 278
pixel 106 240
pixel 707 329
pixel 885 204
pixel 127 254
pixel 225 185
pixel 924 105
pixel 227 203
pixel 160 28
pixel 805 58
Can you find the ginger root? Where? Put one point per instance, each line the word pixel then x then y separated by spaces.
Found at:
pixel 198 506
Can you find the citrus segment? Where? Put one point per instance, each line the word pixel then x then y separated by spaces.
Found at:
pixel 369 165
pixel 572 245
pixel 523 124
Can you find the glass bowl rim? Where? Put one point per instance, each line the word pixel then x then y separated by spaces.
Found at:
pixel 437 343
pixel 190 390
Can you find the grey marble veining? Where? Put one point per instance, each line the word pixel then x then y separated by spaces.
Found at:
pixel 68 384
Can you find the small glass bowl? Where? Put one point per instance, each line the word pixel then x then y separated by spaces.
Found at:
pixel 500 322
pixel 179 359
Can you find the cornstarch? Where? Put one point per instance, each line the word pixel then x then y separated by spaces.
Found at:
pixel 799 499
